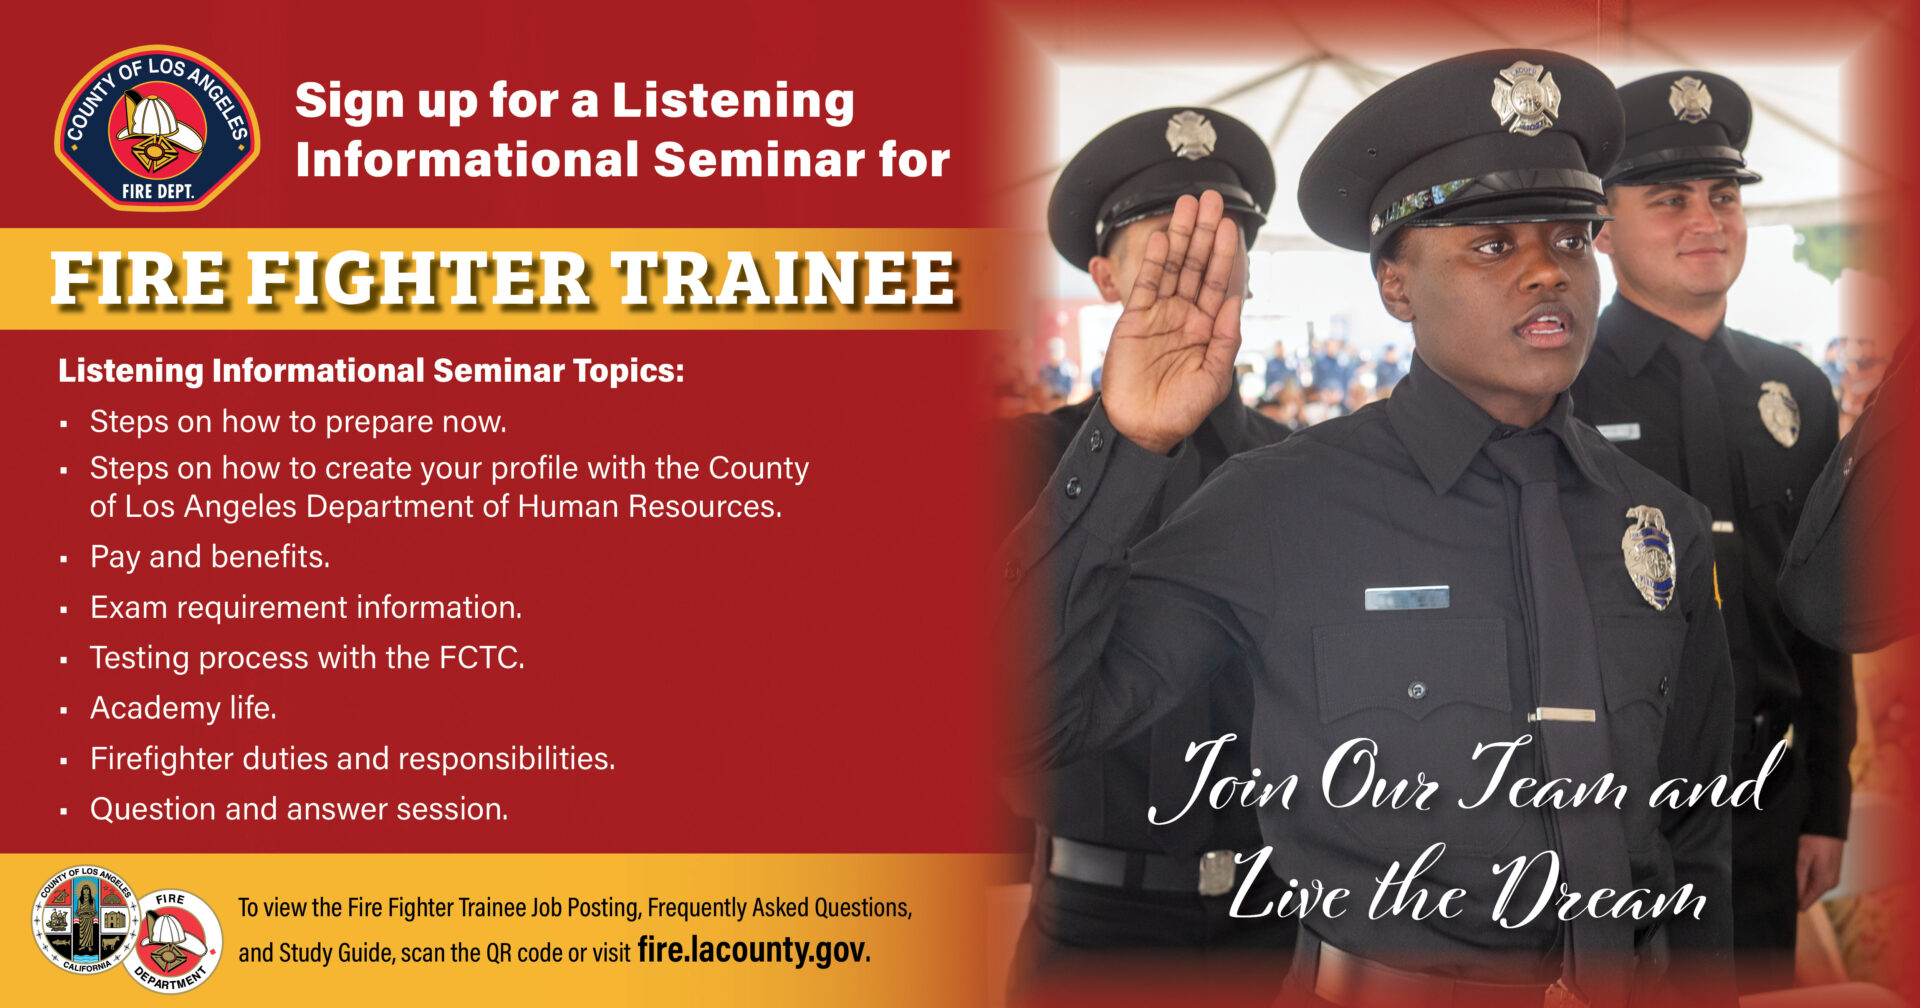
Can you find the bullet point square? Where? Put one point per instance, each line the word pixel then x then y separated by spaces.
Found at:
pixel 63 558
pixel 63 423
pixel 63 608
pixel 63 470
pixel 63 811
pixel 63 659
pixel 63 761
pixel 63 710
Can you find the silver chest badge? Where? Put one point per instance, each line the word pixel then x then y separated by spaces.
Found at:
pixel 1780 413
pixel 1689 99
pixel 1648 549
pixel 1526 94
pixel 1190 135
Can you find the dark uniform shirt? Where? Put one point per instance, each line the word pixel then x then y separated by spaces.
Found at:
pixel 1841 584
pixel 1630 389
pixel 1269 564
pixel 1104 800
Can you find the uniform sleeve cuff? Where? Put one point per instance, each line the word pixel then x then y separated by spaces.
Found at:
pixel 1129 479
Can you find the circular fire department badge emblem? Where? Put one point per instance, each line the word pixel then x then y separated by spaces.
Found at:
pixel 177 944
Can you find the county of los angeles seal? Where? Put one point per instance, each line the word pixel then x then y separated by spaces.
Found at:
pixel 157 128
pixel 84 919
pixel 177 944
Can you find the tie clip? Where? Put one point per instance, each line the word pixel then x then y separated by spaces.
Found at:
pixel 1723 526
pixel 1584 714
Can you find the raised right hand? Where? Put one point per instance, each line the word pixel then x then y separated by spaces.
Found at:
pixel 1170 361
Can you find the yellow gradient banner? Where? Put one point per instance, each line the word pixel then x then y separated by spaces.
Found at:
pixel 353 929
pixel 530 278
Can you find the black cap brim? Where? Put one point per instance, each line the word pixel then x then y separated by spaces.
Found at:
pixel 1446 144
pixel 1683 126
pixel 1132 171
pixel 1519 210
pixel 1682 164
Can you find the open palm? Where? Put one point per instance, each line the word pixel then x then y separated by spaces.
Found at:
pixel 1170 361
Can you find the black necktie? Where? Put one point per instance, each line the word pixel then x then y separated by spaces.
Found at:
pixel 1169 778
pixel 1708 478
pixel 1710 481
pixel 1571 720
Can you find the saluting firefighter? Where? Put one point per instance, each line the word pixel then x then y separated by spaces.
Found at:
pixel 1744 425
pixel 1107 881
pixel 1463 566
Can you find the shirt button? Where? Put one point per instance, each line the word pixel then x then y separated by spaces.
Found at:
pixel 1417 690
pixel 1095 442
pixel 1073 486
pixel 1664 682
pixel 1011 572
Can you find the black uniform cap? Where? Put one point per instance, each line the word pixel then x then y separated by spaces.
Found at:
pixel 1139 166
pixel 1491 137
pixel 1682 126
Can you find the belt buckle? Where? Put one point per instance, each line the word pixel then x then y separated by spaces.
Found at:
pixel 1559 995
pixel 1216 873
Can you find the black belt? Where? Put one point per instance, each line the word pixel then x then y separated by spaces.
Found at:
pixel 1342 978
pixel 1211 874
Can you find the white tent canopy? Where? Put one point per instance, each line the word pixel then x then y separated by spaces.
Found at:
pixel 1294 101
pixel 1795 143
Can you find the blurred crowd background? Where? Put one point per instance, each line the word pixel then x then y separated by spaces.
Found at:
pixel 1303 371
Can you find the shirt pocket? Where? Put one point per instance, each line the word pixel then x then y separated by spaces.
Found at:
pixel 1769 483
pixel 1639 670
pixel 1657 451
pixel 1427 693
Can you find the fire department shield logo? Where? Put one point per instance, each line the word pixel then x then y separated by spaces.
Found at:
pixel 1689 99
pixel 177 943
pixel 157 128
pixel 83 919
pixel 1780 413
pixel 1190 135
pixel 1526 98
pixel 1648 548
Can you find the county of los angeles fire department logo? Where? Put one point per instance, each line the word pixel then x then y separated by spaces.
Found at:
pixel 178 942
pixel 157 128
pixel 84 919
